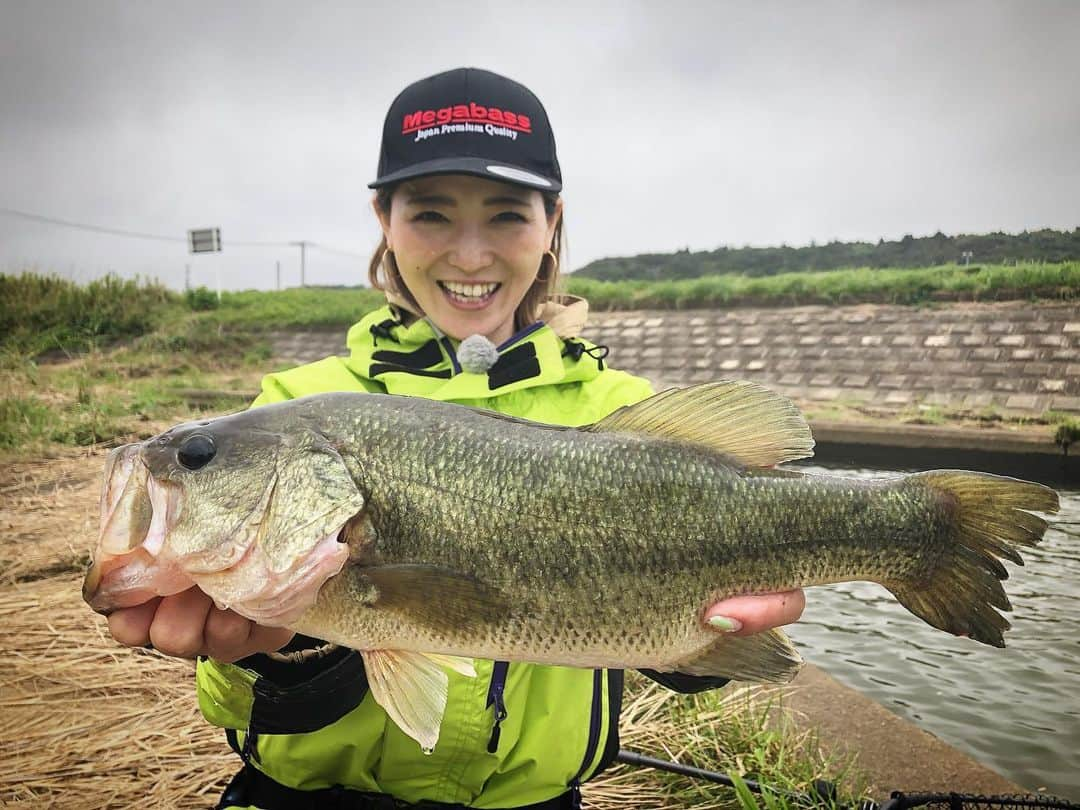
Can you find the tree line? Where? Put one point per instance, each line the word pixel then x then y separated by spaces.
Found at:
pixel 1044 245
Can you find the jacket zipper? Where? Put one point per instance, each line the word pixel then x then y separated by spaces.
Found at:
pixel 495 698
pixel 594 737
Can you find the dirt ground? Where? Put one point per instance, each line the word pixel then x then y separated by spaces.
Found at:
pixel 85 722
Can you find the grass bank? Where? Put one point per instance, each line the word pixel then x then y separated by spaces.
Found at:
pixel 135 390
pixel 40 314
pixel 838 287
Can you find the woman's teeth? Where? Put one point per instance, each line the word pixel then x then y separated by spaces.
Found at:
pixel 469 292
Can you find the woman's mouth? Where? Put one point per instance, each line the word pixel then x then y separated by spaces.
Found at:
pixel 470 294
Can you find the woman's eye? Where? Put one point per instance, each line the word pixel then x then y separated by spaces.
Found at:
pixel 510 216
pixel 429 216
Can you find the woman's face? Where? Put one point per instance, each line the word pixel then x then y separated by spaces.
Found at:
pixel 468 249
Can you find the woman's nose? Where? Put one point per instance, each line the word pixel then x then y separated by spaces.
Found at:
pixel 471 253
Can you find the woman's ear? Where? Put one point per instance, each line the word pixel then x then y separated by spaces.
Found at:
pixel 554 220
pixel 384 220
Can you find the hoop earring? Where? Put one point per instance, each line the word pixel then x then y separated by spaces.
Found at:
pixel 388 271
pixel 554 265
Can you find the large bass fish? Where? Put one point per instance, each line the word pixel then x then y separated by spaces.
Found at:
pixel 423 534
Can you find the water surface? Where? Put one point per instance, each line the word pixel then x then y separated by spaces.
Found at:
pixel 1017 710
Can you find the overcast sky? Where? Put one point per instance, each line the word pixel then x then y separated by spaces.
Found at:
pixel 678 124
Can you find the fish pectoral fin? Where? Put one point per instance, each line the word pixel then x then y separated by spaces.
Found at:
pixel 412 688
pixel 767 657
pixel 436 597
pixel 744 420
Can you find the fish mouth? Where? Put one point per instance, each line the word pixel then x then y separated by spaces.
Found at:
pixel 128 567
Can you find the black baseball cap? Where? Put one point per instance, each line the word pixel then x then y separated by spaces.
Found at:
pixel 469 121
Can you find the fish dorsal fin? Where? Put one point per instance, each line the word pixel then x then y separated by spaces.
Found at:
pixel 412 688
pixel 742 419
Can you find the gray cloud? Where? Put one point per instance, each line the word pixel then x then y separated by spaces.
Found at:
pixel 679 124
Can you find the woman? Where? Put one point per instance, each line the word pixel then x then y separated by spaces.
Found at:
pixel 468 200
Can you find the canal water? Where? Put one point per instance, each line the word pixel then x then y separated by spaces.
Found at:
pixel 1017 710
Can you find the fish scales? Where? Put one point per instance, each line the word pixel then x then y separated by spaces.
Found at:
pixel 581 531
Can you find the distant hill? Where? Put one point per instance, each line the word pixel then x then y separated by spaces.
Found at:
pixel 994 248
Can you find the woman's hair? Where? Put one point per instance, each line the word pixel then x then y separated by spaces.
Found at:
pixel 527 311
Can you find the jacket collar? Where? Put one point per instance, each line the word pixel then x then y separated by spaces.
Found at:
pixel 408 356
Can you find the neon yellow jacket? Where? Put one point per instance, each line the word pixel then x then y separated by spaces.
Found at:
pixel 558 726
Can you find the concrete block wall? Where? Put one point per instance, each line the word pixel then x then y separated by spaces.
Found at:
pixel 1015 356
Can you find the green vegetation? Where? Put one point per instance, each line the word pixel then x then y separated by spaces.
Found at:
pixel 738 731
pixel 895 286
pixel 996 248
pixel 42 313
pixel 49 315
pixel 1066 428
pixel 108 396
pixel 299 306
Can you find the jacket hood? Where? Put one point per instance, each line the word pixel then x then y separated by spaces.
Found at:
pixel 408 355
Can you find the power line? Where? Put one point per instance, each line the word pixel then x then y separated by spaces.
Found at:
pixel 336 250
pixel 85 227
pixel 159 237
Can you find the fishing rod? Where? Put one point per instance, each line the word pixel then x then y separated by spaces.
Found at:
pixel 824 791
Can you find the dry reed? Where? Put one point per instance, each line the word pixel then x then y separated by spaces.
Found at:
pixel 87 723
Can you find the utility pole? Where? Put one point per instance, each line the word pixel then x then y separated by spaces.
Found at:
pixel 303 249
pixel 278 263
pixel 187 277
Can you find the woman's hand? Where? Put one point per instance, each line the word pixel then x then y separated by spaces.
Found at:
pixel 187 625
pixel 744 615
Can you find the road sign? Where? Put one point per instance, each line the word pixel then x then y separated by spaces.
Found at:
pixel 207 240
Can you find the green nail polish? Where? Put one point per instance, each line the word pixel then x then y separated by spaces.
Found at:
pixel 724 623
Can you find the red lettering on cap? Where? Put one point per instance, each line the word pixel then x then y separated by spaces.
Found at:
pixel 471 113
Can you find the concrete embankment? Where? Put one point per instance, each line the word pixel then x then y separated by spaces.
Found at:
pixel 893 753
pixel 989 361
pixel 1013 360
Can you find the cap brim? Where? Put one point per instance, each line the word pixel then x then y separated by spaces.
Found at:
pixel 477 167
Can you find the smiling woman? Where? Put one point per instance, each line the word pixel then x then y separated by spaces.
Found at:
pixel 472 229
pixel 477 256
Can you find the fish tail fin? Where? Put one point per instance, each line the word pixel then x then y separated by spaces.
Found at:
pixel 991 517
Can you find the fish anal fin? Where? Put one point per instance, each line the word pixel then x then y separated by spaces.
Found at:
pixel 744 420
pixel 436 597
pixel 766 657
pixel 412 688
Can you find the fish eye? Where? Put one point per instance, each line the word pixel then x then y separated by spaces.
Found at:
pixel 195 452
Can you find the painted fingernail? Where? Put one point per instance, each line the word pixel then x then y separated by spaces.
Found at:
pixel 725 623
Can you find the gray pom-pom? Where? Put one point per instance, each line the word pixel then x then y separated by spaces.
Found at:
pixel 477 354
